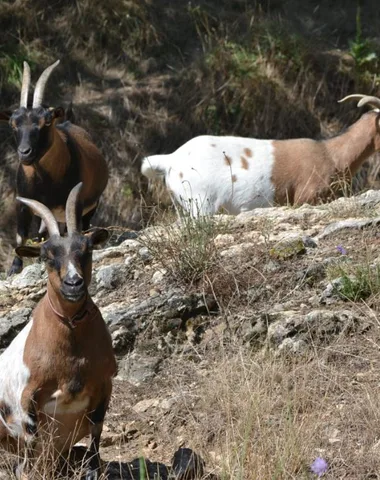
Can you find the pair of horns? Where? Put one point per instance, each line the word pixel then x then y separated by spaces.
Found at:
pixel 73 212
pixel 40 85
pixel 363 100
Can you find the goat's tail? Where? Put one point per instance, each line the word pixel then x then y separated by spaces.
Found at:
pixel 155 166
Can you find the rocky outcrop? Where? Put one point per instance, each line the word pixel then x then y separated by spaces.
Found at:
pixel 151 316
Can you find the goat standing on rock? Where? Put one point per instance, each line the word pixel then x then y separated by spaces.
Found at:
pixel 56 375
pixel 211 174
pixel 53 159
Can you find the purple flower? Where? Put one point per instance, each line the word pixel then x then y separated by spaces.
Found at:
pixel 319 466
pixel 341 249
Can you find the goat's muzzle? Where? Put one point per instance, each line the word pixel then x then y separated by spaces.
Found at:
pixel 73 288
pixel 26 155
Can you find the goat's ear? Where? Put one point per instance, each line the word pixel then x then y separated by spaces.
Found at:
pixel 5 116
pixel 98 235
pixel 58 112
pixel 28 250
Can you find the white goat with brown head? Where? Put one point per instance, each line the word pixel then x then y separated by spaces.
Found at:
pixel 211 174
pixel 56 375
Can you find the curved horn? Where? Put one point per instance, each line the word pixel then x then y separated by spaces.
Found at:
pixel 25 86
pixel 43 212
pixel 41 83
pixel 363 100
pixel 73 210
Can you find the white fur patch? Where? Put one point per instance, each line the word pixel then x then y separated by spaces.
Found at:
pixel 14 376
pixel 58 404
pixel 210 174
pixel 71 270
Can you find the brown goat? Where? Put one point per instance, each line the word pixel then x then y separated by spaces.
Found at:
pixel 54 157
pixel 56 375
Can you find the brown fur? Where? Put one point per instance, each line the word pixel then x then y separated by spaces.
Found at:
pixel 227 160
pixel 304 170
pixel 244 163
pixel 234 178
pixel 56 355
pixel 94 170
pixel 59 151
pixel 248 152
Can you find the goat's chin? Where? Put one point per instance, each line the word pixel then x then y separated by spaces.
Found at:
pixel 73 297
pixel 26 161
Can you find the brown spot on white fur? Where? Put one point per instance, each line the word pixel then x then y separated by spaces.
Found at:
pixel 244 163
pixel 227 160
pixel 181 175
pixel 234 178
pixel 213 145
pixel 248 152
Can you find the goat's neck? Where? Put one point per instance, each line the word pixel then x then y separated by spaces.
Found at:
pixel 57 159
pixel 62 307
pixel 350 149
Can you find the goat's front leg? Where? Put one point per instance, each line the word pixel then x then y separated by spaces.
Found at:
pixel 94 469
pixel 24 219
pixel 30 433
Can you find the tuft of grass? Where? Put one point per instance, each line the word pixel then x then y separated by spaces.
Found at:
pixel 186 249
pixel 361 49
pixel 356 282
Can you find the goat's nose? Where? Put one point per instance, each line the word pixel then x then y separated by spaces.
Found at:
pixel 24 150
pixel 75 281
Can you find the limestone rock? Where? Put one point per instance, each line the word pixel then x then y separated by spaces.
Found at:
pixel 137 368
pixel 12 323
pixel 31 276
pixel 112 276
pixel 293 332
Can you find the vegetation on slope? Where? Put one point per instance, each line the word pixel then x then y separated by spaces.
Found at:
pixel 147 76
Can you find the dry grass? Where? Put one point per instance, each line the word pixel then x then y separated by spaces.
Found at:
pixel 263 416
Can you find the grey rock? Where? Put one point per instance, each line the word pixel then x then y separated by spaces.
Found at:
pixel 309 242
pixel 145 254
pixel 123 339
pixel 111 276
pixel 317 327
pixel 158 276
pixel 355 224
pixel 31 276
pixel 137 368
pixel 173 304
pixel 331 293
pixel 12 323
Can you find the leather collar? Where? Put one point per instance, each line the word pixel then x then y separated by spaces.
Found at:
pixel 87 309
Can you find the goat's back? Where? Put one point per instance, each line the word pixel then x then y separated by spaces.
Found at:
pixel 210 173
pixel 93 167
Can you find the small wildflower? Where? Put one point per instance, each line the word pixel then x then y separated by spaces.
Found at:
pixel 319 466
pixel 341 249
